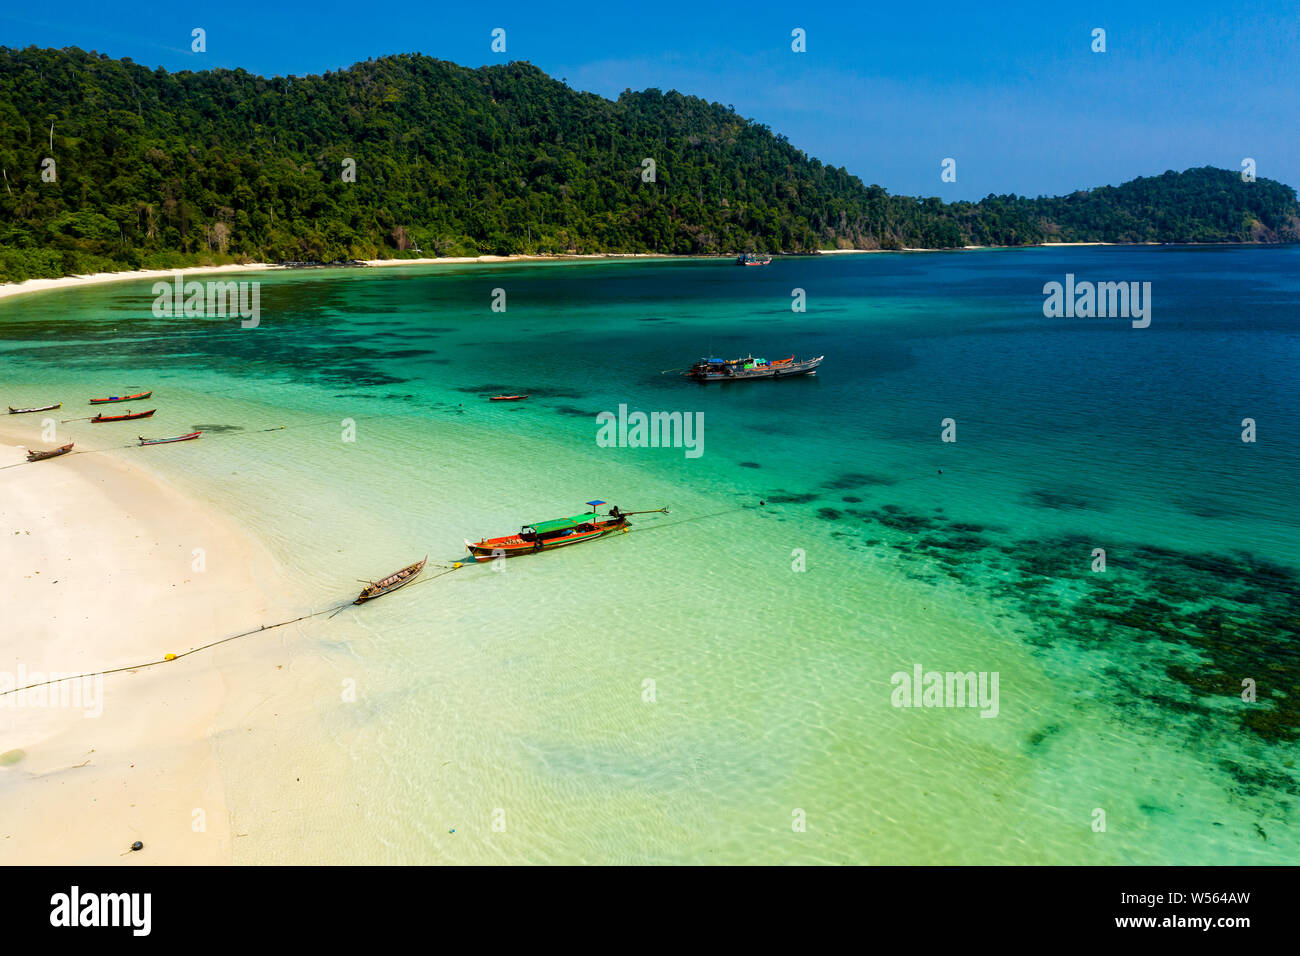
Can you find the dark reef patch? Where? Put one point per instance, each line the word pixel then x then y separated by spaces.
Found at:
pixel 851 480
pixel 1184 629
pixel 750 464
pixel 218 429
pixel 1059 500
pixel 791 498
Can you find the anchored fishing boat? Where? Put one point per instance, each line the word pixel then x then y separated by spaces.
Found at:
pixel 139 396
pixel 101 417
pixel 391 583
pixel 549 535
pixel 741 369
pixel 55 453
pixel 43 408
pixel 167 441
pixel 753 259
pixel 507 398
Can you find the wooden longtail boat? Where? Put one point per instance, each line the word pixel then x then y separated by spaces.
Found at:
pixel 101 417
pixel 507 398
pixel 167 441
pixel 120 398
pixel 42 455
pixel 43 408
pixel 751 259
pixel 391 583
pixel 549 535
pixel 736 370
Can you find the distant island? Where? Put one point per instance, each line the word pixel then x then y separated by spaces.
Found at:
pixel 409 156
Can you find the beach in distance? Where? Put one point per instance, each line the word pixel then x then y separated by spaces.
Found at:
pixel 8 289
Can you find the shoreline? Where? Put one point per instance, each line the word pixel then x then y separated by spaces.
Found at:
pixel 28 286
pixel 98 555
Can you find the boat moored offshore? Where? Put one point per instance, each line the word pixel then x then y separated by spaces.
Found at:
pixel 743 369
pixel 548 535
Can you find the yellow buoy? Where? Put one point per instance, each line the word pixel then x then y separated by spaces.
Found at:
pixel 456 565
pixel 170 657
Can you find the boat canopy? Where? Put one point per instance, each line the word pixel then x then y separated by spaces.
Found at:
pixel 563 524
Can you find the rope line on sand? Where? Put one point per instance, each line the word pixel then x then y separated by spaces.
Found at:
pixel 203 647
pixel 334 608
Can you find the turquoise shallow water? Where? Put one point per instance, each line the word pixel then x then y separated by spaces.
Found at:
pixel 524 691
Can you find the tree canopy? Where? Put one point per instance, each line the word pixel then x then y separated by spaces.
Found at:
pixel 158 169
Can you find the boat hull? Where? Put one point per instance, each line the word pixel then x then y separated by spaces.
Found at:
pixel 388 585
pixel 167 441
pixel 43 455
pixel 734 374
pixel 514 546
pixel 113 399
pixel 100 419
pixel 28 411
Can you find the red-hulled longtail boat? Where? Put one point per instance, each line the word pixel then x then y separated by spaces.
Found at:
pixel 548 535
pixel 43 408
pixel 55 453
pixel 139 396
pixel 101 417
pixel 391 583
pixel 507 398
pixel 167 441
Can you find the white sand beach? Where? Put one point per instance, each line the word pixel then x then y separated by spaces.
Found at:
pixel 9 289
pixel 97 559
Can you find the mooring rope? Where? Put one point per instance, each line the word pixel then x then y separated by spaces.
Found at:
pixel 203 647
pixel 334 608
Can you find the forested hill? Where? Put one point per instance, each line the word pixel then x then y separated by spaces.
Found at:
pixel 163 169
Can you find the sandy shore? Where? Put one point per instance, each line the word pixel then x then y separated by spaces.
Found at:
pixel 73 282
pixel 97 564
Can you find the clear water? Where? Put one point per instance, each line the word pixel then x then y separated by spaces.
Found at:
pixel 523 691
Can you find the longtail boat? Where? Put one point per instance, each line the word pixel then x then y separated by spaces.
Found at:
pixel 549 535
pixel 101 417
pixel 391 583
pixel 120 398
pixel 743 369
pixel 167 441
pixel 55 453
pixel 43 408
pixel 751 259
pixel 507 398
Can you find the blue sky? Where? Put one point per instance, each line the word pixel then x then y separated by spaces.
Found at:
pixel 1013 92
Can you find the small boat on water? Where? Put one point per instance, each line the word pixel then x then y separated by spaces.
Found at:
pixel 55 453
pixel 557 533
pixel 139 396
pixel 101 417
pixel 391 583
pixel 507 398
pixel 754 259
pixel 167 441
pixel 43 408
pixel 741 369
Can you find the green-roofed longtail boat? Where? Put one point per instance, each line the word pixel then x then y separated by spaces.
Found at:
pixel 548 535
